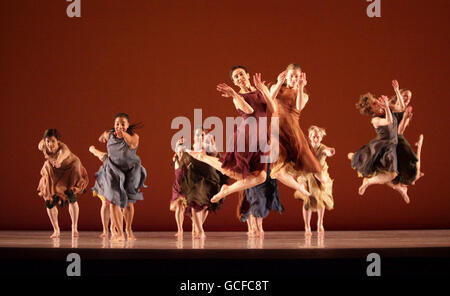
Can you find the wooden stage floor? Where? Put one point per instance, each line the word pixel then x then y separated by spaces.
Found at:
pixel 336 253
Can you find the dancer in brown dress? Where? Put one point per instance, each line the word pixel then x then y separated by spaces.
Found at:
pixel 294 154
pixel 63 177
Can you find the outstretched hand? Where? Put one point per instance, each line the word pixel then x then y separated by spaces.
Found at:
pixel 260 85
pixel 282 77
pixel 302 82
pixel 395 85
pixel 226 90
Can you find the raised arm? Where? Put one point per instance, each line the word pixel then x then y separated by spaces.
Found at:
pixel 377 121
pixel 104 137
pixel 405 121
pixel 400 102
pixel 238 100
pixel 41 145
pixel 275 89
pixel 131 140
pixel 302 97
pixel 261 86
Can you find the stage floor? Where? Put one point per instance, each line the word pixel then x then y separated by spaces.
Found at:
pixel 278 240
pixel 278 254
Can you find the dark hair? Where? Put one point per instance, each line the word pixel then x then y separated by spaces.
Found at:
pixel 132 127
pixel 51 132
pixel 363 104
pixel 235 68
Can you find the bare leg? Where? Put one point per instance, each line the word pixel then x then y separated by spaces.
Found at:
pixel 179 218
pixel 215 163
pixel 105 215
pixel 307 220
pixel 199 219
pixel 128 214
pixel 402 189
pixel 252 223
pixel 249 227
pixel 320 215
pixel 197 224
pixel 378 179
pixel 74 212
pixel 117 221
pixel 242 184
pixel 259 224
pixel 287 179
pixel 99 154
pixel 53 215
pixel 419 152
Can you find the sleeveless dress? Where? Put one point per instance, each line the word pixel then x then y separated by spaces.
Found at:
pixel 61 185
pixel 294 154
pixel 177 193
pixel 321 196
pixel 380 154
pixel 260 200
pixel 247 162
pixel 406 158
pixel 121 176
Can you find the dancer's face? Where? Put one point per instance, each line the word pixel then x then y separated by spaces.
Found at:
pixel 406 97
pixel 52 144
pixel 315 138
pixel 121 124
pixel 376 106
pixel 241 78
pixel 292 77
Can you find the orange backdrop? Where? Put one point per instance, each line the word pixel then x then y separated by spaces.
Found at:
pixel 160 59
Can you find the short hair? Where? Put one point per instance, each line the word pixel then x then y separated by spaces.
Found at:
pixel 52 132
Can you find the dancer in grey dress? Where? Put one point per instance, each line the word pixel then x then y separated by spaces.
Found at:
pixel 119 179
pixel 377 160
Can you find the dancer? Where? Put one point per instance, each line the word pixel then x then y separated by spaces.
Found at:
pixel 377 160
pixel 294 156
pixel 62 178
pixel 178 202
pixel 245 167
pixel 321 197
pixel 408 162
pixel 121 176
pixel 200 183
pixel 256 203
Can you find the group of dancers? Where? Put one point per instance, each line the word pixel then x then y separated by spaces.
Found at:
pixel 204 177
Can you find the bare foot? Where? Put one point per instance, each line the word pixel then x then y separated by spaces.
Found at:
pixel 104 234
pixel 363 187
pixel 320 229
pixel 222 193
pixel 350 155
pixel 130 235
pixel 418 176
pixel 55 234
pixel 75 233
pixel 117 238
pixel 179 233
pixel 308 231
pixel 403 190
